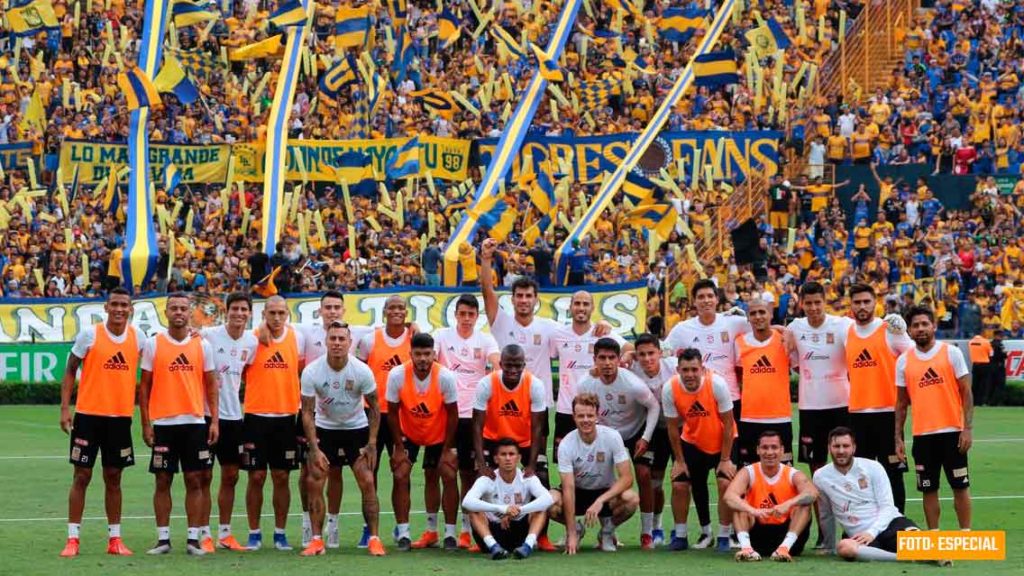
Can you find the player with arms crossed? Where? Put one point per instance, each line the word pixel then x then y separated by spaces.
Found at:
pixel 701 431
pixel 178 372
pixel 593 464
pixel 508 510
pixel 771 504
pixel 933 380
pixel 108 355
pixel 341 432
pixel 423 409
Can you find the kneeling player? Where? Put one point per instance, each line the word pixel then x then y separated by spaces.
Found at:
pixel 589 458
pixel 771 505
pixel 508 511
pixel 334 387
pixel 856 491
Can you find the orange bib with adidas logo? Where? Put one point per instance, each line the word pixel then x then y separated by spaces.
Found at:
pixel 765 379
pixel 872 370
pixel 272 380
pixel 422 415
pixel 508 411
pixel 766 493
pixel 177 378
pixel 934 392
pixel 383 357
pixel 109 374
pixel 702 425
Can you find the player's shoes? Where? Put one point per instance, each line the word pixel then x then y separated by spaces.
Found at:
pixel 70 548
pixel 659 537
pixel 207 545
pixel 581 529
pixel 523 552
pixel 229 543
pixel 734 541
pixel 162 547
pixel 607 541
pixel 116 547
pixel 428 539
pixel 944 563
pixel 451 544
pixel 704 541
pixel 376 547
pixel 333 537
pixel 544 544
pixel 748 555
pixel 473 548
pixel 255 542
pixel 678 544
pixel 364 540
pixel 404 544
pixel 192 548
pixel 281 542
pixel 465 539
pixel 646 542
pixel 307 536
pixel 781 554
pixel 723 545
pixel 498 553
pixel 316 548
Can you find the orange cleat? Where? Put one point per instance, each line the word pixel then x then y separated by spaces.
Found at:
pixel 207 545
pixel 429 539
pixel 316 548
pixel 229 543
pixel 465 539
pixel 473 548
pixel 544 544
pixel 116 547
pixel 70 549
pixel 376 547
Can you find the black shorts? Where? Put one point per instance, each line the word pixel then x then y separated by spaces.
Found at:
pixel 464 444
pixel 342 447
pixel 431 454
pixel 183 444
pixel 563 425
pixel 660 450
pixel 887 539
pixel 585 498
pixel 384 439
pixel 228 449
pixel 698 464
pixel 508 538
pixel 935 452
pixel 814 428
pixel 766 538
pixel 111 435
pixel 873 432
pixel 301 444
pixel 645 459
pixel 269 441
pixel 750 433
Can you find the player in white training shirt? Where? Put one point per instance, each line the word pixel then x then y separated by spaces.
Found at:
pixel 334 388
pixel 232 347
pixel 856 492
pixel 467 352
pixel 509 510
pixel 628 406
pixel 593 464
pixel 654 370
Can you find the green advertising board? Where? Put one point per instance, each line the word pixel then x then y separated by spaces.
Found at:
pixel 33 362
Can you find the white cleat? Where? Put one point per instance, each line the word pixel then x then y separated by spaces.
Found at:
pixel 194 550
pixel 704 541
pixel 607 540
pixel 160 548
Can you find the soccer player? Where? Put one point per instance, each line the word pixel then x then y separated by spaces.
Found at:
pixel 232 347
pixel 856 491
pixel 423 408
pixel 631 409
pixel 762 370
pixel 467 352
pixel 268 427
pixel 872 347
pixel 933 380
pixel 771 504
pixel 653 369
pixel 701 429
pixel 178 372
pixel 108 355
pixel 509 403
pixel 593 464
pixel 509 510
pixel 341 432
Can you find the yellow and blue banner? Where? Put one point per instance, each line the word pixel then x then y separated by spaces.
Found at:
pixel 192 12
pixel 547 66
pixel 140 236
pixel 397 10
pixel 716 69
pixel 32 17
pixel 288 13
pixel 356 170
pixel 660 217
pixel 407 162
pixel 351 26
pixel 172 78
pixel 342 73
pixel 139 91
pixel 678 24
pixel 172 177
pixel 437 101
pixel 542 192
pixel 768 39
pixel 195 163
pixel 402 57
pixel 637 187
pixel 16 155
pixel 267 48
pixel 449 28
pixel 595 94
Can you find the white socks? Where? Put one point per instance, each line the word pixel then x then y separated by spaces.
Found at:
pixel 744 538
pixel 403 530
pixel 789 540
pixel 875 554
pixel 163 532
pixel 449 531
pixel 278 531
pixel 223 530
pixel 466 526
pixel 681 530
pixel 74 530
pixel 204 532
pixel 706 529
pixel 657 520
pixel 113 530
pixel 489 541
pixel 332 521
pixel 432 522
pixel 531 540
pixel 307 524
pixel 723 530
pixel 193 533
pixel 646 522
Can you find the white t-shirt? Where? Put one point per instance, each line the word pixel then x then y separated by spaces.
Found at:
pixel 666 370
pixel 956 358
pixel 494 496
pixel 715 342
pixel 339 394
pixel 861 499
pixel 467 358
pixel 535 342
pixel 593 465
pixel 718 387
pixel 87 337
pixel 230 357
pixel 575 354
pixel 538 402
pixel 821 357
pixel 445 380
pixel 315 336
pixel 627 404
pixel 209 365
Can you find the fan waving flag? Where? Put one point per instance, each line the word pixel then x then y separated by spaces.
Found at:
pixel 172 79
pixel 171 177
pixel 288 13
pixel 448 28
pixel 406 162
pixel 637 187
pixel 192 12
pixel 355 169
pixel 438 101
pixel 715 69
pixel 661 218
pixel 548 67
pixel 679 24
pixel 32 18
pixel 139 91
pixel 271 47
pixel 351 26
pixel 341 74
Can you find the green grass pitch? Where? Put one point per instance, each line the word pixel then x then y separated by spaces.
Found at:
pixel 34 477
